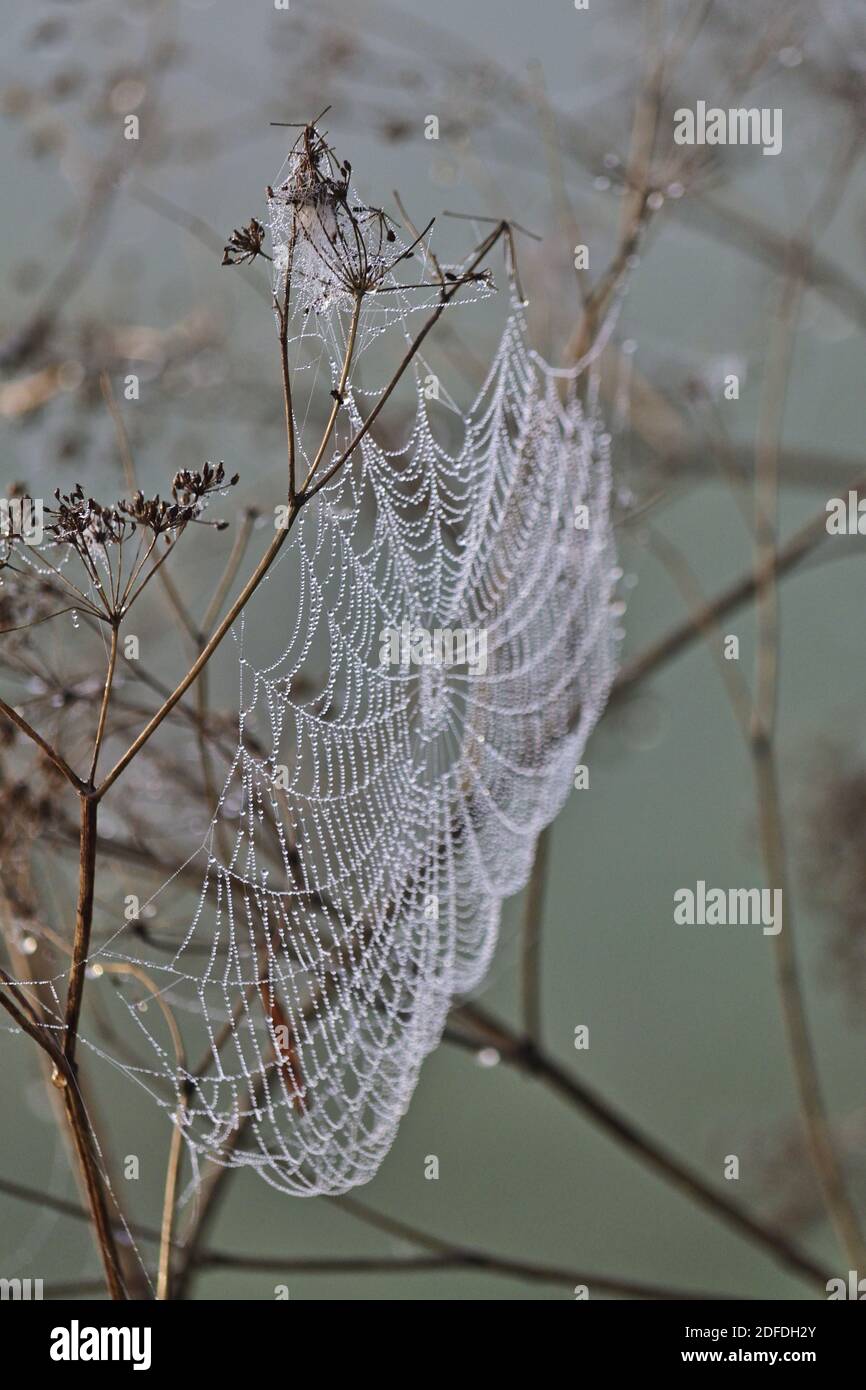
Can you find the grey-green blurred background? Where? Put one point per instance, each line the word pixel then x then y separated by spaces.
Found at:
pixel 684 1023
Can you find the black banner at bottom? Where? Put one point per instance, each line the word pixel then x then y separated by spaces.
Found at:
pixel 261 1339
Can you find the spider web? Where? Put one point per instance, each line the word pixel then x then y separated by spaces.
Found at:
pixel 375 815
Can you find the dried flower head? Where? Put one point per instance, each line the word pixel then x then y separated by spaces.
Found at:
pixel 83 523
pixel 245 244
pixel 191 489
pixel 97 534
pixel 329 247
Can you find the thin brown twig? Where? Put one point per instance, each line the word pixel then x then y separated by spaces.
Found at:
pixel 452 1259
pixel 106 697
pixel 283 316
pixel 65 1079
pixel 83 922
pixel 59 762
pixel 338 394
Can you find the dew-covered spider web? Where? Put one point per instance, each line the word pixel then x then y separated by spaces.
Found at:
pixel 418 677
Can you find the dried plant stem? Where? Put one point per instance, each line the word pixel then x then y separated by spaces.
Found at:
pixel 283 314
pixel 103 1229
pixel 169 1204
pixel 67 1075
pixel 106 698
pixel 75 1112
pixel 14 1000
pixel 455 1258
pixel 565 216
pixel 40 1003
pixel 636 211
pixel 338 394
pixel 83 921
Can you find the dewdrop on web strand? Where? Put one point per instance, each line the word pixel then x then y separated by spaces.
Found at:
pixel 368 831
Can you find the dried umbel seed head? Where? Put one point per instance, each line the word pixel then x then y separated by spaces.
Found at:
pixel 81 522
pixel 245 244
pixel 96 534
pixel 190 490
pixel 330 248
pixel 84 523
pixel 154 513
